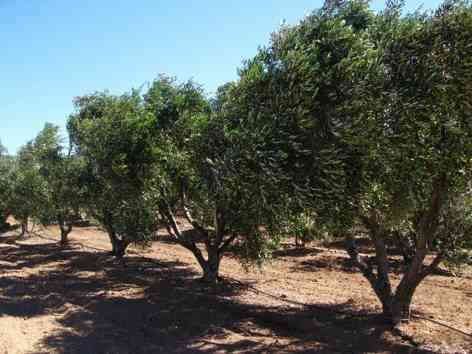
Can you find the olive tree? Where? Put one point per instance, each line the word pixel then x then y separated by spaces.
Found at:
pixel 416 148
pixel 113 135
pixel 28 189
pixel 62 174
pixel 202 173
pixel 6 165
pixel 371 115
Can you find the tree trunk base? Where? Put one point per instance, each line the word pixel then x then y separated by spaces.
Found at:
pixel 210 276
pixel 210 279
pixel 119 249
pixel 24 230
pixel 64 241
pixel 397 312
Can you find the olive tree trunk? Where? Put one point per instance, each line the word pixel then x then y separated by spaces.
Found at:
pixel 216 244
pixel 66 229
pixel 24 227
pixel 118 244
pixel 397 303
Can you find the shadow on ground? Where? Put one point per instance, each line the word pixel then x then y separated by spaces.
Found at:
pixel 149 306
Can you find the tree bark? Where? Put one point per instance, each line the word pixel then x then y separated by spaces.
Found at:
pixel 405 247
pixel 215 246
pixel 211 266
pixel 396 304
pixel 118 246
pixel 399 308
pixel 24 227
pixel 65 231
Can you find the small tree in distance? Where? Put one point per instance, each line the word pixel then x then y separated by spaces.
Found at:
pixel 6 167
pixel 28 189
pixel 62 174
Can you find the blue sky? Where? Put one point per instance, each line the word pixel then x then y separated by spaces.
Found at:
pixel 54 50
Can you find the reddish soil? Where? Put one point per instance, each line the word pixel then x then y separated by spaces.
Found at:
pixel 78 299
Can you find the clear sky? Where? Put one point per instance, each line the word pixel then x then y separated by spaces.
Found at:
pixel 54 50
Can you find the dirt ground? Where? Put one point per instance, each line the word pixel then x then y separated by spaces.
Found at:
pixel 78 299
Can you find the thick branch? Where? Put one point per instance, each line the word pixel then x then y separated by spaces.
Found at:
pixel 377 234
pixel 191 246
pixel 433 266
pixel 220 225
pixel 356 258
pixel 430 219
pixel 194 223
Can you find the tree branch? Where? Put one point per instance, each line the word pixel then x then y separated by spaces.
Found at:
pixel 228 242
pixel 433 266
pixel 356 258
pixel 194 223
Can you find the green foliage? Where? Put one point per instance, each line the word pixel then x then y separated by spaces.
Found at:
pixel 414 135
pixel 6 167
pixel 364 112
pixel 296 96
pixel 305 229
pixel 62 174
pixel 204 165
pixel 113 135
pixel 367 117
pixel 28 188
pixel 454 238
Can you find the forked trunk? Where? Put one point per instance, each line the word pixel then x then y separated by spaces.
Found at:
pixel 395 303
pixel 215 247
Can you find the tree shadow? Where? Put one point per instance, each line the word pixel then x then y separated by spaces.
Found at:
pixel 146 306
pixel 8 227
pixel 323 262
pixel 292 251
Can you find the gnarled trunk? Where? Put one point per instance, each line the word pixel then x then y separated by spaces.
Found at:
pixel 64 236
pixel 211 266
pixel 299 241
pixel 215 241
pixel 119 248
pixel 396 304
pixel 405 246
